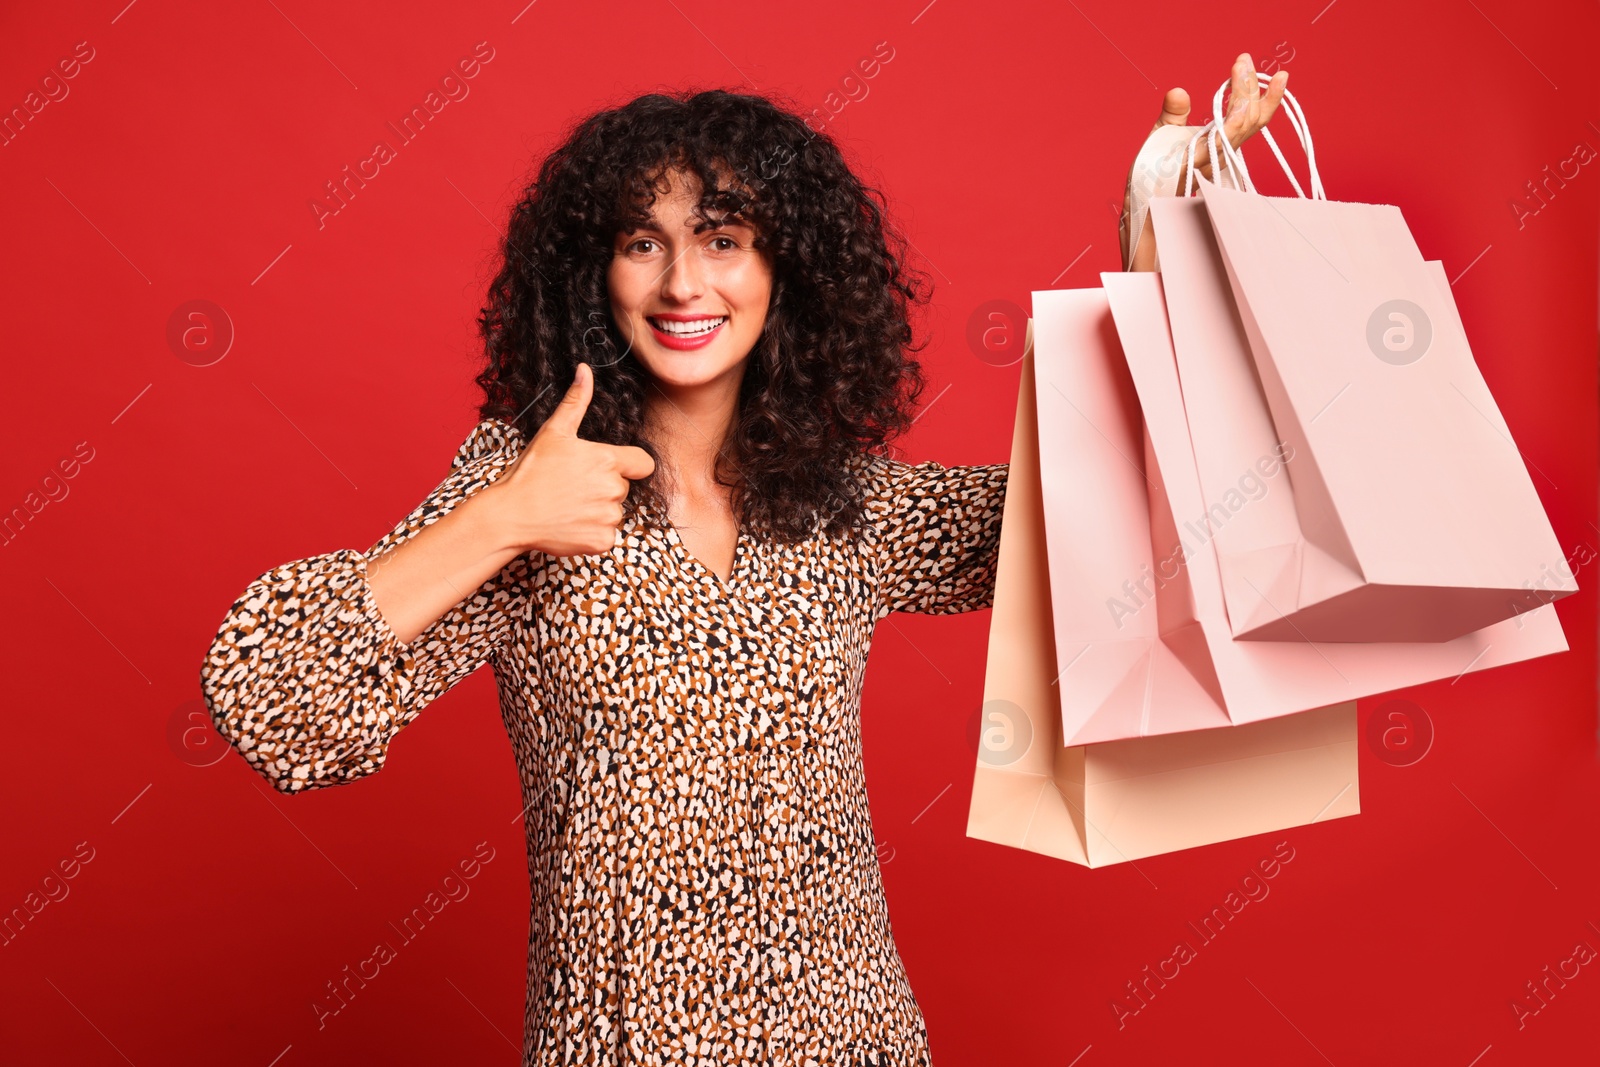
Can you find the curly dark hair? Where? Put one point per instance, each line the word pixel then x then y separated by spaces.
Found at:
pixel 832 376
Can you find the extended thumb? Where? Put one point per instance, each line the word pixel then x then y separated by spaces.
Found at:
pixel 569 413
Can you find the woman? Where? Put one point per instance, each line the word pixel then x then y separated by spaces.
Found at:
pixel 675 569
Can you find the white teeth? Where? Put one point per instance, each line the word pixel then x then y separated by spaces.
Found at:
pixel 688 329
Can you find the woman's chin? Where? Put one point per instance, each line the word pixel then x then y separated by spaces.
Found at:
pixel 687 370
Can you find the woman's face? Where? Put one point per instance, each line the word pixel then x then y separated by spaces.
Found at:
pixel 689 300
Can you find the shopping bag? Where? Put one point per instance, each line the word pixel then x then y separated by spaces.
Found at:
pixel 1408 513
pixel 1136 611
pixel 1122 800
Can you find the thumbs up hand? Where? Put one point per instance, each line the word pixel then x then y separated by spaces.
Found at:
pixel 564 494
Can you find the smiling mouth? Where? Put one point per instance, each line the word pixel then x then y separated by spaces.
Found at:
pixel 692 328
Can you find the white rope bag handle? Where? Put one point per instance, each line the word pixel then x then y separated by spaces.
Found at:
pixel 1222 150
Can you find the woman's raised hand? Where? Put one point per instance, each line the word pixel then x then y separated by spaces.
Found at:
pixel 564 495
pixel 1248 110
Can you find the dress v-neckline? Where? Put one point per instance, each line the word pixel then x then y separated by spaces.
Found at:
pixel 726 588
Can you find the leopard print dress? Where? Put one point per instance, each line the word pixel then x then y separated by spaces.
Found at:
pixel 706 887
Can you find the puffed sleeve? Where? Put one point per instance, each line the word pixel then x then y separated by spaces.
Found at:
pixel 306 678
pixel 935 534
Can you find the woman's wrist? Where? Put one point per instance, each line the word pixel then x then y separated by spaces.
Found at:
pixel 499 524
pixel 1160 169
pixel 419 580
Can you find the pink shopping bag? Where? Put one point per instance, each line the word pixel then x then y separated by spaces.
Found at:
pixel 1407 513
pixel 1136 611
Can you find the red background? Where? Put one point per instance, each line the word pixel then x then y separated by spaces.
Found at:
pixel 180 167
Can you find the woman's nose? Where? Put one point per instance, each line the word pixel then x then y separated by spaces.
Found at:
pixel 682 281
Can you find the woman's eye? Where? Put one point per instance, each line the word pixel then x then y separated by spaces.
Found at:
pixel 646 245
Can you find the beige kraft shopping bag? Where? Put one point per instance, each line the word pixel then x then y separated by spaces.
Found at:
pixel 1128 799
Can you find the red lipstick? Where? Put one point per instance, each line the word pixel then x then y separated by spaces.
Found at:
pixel 688 332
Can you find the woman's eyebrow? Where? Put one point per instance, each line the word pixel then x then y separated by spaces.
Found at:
pixel 723 223
pixel 651 225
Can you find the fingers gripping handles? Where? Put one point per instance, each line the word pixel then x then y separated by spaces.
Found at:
pixel 1222 147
